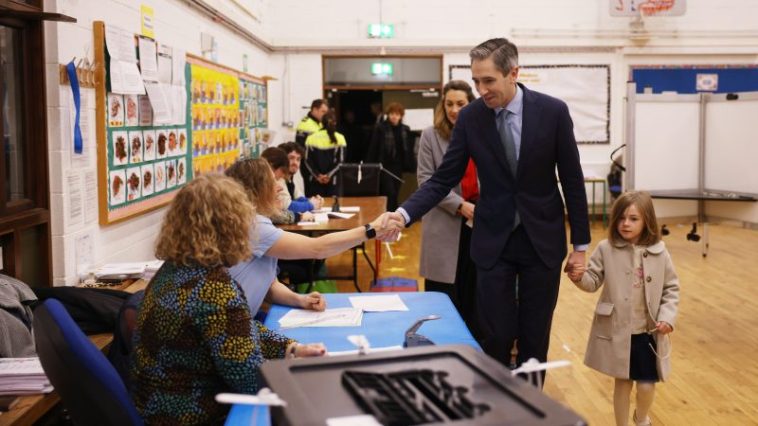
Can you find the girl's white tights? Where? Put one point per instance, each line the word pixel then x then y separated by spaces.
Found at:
pixel 621 393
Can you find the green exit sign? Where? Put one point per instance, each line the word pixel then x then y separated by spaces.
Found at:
pixel 381 68
pixel 381 31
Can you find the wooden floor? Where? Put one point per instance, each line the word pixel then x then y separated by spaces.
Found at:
pixel 714 377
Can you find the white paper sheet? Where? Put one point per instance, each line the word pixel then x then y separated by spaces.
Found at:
pixel 179 104
pixel 379 303
pixel 340 215
pixel 75 214
pixel 120 43
pixel 165 64
pixel 338 317
pixel 343 209
pixel 358 420
pixel 179 60
pixel 370 350
pixel 90 196
pixel 148 61
pixel 162 113
pixel 126 78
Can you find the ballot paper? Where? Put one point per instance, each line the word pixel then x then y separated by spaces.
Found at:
pixel 340 215
pixel 318 219
pixel 370 350
pixel 379 303
pixel 338 317
pixel 22 376
pixel 343 209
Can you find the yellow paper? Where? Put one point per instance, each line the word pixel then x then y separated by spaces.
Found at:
pixel 148 23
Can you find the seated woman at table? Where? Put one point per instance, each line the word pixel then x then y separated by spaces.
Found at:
pixel 257 275
pixel 195 336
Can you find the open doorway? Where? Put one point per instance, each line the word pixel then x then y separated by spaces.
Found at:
pixel 358 112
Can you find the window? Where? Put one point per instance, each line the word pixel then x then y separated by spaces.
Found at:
pixel 24 205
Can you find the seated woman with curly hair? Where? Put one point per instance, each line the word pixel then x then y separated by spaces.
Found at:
pixel 195 336
pixel 257 275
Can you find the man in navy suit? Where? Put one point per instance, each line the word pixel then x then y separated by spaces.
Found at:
pixel 517 138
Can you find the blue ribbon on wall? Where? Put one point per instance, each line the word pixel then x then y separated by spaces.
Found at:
pixel 74 80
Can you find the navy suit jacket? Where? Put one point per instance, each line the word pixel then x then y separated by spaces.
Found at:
pixel 547 142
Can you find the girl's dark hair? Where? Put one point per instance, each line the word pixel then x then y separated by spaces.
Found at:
pixel 443 126
pixel 651 234
pixel 330 125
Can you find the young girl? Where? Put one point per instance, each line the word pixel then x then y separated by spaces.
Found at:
pixel 637 306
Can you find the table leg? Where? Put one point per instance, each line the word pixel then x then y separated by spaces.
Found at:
pixel 605 215
pixel 705 239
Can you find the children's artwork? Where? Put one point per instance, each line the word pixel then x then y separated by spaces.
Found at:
pixel 170 173
pixel 115 110
pixel 148 139
pixel 132 117
pixel 181 171
pixel 135 147
pixel 162 143
pixel 117 187
pixel 182 141
pixel 173 143
pixel 120 141
pixel 148 179
pixel 133 183
pixel 145 111
pixel 160 176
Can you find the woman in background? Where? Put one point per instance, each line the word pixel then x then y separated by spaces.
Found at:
pixel 324 152
pixel 195 336
pixel 445 261
pixel 392 145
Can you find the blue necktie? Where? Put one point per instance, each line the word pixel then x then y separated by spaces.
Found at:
pixel 506 137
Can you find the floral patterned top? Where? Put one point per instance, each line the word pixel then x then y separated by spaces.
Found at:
pixel 195 337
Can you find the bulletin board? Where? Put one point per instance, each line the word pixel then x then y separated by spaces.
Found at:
pixel 253 114
pixel 203 116
pixel 142 161
pixel 229 111
pixel 586 89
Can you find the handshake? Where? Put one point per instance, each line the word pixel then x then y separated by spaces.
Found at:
pixel 388 226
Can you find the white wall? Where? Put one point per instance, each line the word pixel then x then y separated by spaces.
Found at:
pixel 299 32
pixel 177 25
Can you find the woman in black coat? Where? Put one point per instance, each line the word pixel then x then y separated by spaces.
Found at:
pixel 392 145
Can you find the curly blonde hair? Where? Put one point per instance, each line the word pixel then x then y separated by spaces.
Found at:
pixel 208 223
pixel 256 177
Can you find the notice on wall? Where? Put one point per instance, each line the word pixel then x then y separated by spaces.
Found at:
pixel 75 214
pixel 90 196
pixel 125 77
pixel 148 60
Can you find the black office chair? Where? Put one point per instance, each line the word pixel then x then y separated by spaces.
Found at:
pixel 88 384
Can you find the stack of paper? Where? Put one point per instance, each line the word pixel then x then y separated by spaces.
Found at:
pixel 338 317
pixel 22 376
pixel 318 219
pixel 343 209
pixel 128 269
pixel 378 303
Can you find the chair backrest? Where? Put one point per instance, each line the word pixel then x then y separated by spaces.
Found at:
pixel 89 386
pixel 359 180
pixel 119 354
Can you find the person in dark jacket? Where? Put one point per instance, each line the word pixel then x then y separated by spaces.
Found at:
pixel 324 152
pixel 392 145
